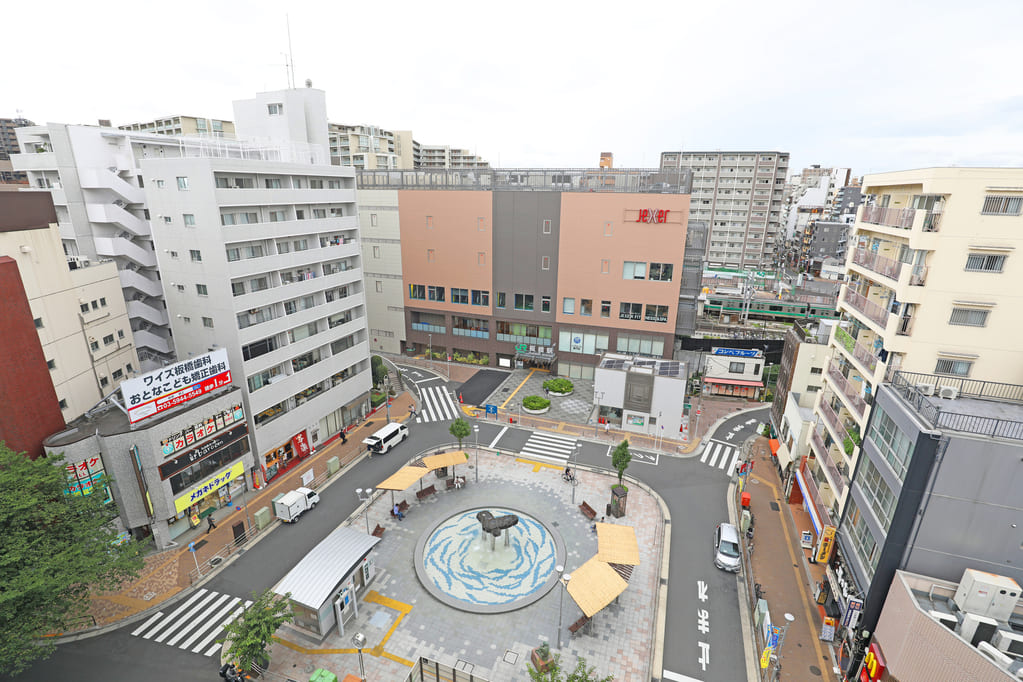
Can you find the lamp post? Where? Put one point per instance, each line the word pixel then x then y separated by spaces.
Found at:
pixel 575 460
pixel 563 578
pixel 776 673
pixel 359 640
pixel 387 397
pixel 429 355
pixel 476 430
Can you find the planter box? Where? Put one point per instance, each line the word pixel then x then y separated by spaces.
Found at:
pixel 541 664
pixel 543 411
pixel 561 395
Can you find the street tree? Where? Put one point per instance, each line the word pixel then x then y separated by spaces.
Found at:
pixel 460 429
pixel 620 458
pixel 379 369
pixel 247 637
pixel 555 673
pixel 55 549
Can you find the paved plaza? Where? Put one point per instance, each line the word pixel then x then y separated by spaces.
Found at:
pixel 403 622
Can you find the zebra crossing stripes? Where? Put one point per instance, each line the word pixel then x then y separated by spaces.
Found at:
pixel 436 405
pixel 720 456
pixel 549 445
pixel 195 623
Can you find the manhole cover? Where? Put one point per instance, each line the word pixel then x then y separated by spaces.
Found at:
pixel 215 561
pixel 755 481
pixel 815 670
pixel 148 596
pixel 367 423
pixel 511 657
pixel 505 390
pixel 775 507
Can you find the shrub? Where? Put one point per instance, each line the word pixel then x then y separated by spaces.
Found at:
pixel 377 398
pixel 558 385
pixel 535 402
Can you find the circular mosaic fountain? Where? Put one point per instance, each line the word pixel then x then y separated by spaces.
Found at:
pixel 456 564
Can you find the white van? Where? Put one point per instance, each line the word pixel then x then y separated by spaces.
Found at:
pixel 386 438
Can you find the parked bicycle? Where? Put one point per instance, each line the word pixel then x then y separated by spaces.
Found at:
pixel 759 591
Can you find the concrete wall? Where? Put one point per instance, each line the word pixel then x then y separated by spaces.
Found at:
pixel 385 285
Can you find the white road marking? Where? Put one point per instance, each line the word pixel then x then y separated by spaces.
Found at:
pixel 494 442
pixel 677 677
pixel 181 608
pixel 735 460
pixel 145 625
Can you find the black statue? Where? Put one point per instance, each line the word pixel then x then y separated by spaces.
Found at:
pixel 495 526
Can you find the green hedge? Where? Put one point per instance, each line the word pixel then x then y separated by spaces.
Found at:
pixel 559 385
pixel 376 399
pixel 535 402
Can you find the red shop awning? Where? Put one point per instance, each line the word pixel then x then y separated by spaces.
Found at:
pixel 774 446
pixel 733 382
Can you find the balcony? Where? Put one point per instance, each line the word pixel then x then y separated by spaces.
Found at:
pixel 837 428
pixel 114 247
pixel 875 262
pixel 132 279
pixel 847 389
pixel 872 311
pixel 918 276
pixel 835 476
pixel 889 217
pixel 862 354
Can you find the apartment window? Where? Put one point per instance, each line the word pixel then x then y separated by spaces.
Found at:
pixel 283 247
pixel 95 305
pixel 300 244
pixel 166 220
pixel 1002 205
pixel 182 182
pixel 958 368
pixel 879 495
pixel 127 368
pixel 894 445
pixel 605 308
pixel 379 287
pixel 605 266
pixel 630 311
pixel 481 258
pixel 201 290
pixel 373 219
pixel 431 256
pixel 816 370
pixel 480 297
pixel 38 322
pixel 417 292
pixel 277 216
pixel 259 284
pixel 376 252
pixel 207 322
pixel 545 304
pixel 608 228
pixel 736 367
pixel 195 255
pixel 545 263
pixel 568 306
pixel 84 307
pixel 51 364
pixel 586 307
pixel 173 254
pixel 435 293
pixel 319 213
pixel 500 299
pixel 62 404
pixel 299 214
pixel 546 226
pixel 661 272
pixel 656 313
pixel 523 301
pixel 460 296
pixel 272 183
pixel 633 270
pixel 188 219
pixel 94 345
pixel 862 539
pixel 275 109
pixel 159 183
pixel 980 262
pixel 179 287
pixel 968 317
pixel 120 333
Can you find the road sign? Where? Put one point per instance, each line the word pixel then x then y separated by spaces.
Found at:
pixel 687 406
pixel 491 409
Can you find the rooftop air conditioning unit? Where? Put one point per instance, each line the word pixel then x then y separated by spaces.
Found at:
pixel 976 629
pixel 1008 641
pixel 946 619
pixel 926 389
pixel 949 392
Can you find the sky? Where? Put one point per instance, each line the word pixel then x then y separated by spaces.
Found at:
pixel 875 85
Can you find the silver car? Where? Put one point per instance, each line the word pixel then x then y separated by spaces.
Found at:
pixel 727 552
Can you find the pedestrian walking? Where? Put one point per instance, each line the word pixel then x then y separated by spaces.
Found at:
pixel 607 428
pixel 212 526
pixel 546 392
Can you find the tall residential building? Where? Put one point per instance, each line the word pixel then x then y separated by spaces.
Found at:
pixel 547 267
pixel 260 255
pixel 442 156
pixel 183 125
pixel 8 146
pixel 929 306
pixel 740 195
pixel 370 147
pixel 79 315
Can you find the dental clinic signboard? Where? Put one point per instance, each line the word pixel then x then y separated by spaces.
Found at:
pixel 168 387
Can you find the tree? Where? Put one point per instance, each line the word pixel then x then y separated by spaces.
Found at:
pixel 620 458
pixel 379 369
pixel 248 636
pixel 554 673
pixel 460 430
pixel 55 549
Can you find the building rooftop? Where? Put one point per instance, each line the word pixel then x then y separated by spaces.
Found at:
pixel 985 408
pixel 630 363
pixel 635 180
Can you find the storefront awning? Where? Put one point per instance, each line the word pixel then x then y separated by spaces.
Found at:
pixel 542 358
pixel 617 544
pixel 732 382
pixel 775 444
pixel 784 455
pixel 447 459
pixel 594 585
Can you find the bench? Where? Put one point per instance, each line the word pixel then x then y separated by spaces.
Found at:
pixel 378 531
pixel 426 492
pixel 587 511
pixel 574 627
pixel 456 482
pixel 402 507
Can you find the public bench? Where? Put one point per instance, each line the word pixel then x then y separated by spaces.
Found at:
pixel 426 492
pixel 574 627
pixel 378 532
pixel 587 511
pixel 402 507
pixel 456 482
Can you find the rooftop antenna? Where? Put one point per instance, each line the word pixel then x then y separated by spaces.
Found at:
pixel 290 63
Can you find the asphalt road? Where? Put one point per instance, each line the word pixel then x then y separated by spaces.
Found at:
pixel 693 490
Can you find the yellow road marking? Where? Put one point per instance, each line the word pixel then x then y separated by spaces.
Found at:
pixel 537 466
pixel 518 387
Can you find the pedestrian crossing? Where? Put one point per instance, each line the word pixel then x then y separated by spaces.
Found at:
pixel 436 405
pixel 549 445
pixel 195 624
pixel 721 456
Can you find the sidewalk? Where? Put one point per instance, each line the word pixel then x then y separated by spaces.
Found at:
pixel 783 569
pixel 167 574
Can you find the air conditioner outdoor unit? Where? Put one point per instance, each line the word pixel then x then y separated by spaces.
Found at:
pixel 1008 641
pixel 926 389
pixel 946 619
pixel 949 392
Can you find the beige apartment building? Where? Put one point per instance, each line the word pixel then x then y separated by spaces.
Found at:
pixel 80 315
pixel 184 125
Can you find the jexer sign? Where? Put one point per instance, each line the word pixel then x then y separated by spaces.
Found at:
pixel 653 215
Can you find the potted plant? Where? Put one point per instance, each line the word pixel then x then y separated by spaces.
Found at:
pixel 559 386
pixel 541 658
pixel 534 404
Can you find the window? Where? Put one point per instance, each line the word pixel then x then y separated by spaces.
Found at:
pixel 959 368
pixel 237 288
pixel 568 306
pixel 195 255
pixel 545 263
pixel 480 297
pixel 630 311
pixel 51 364
pixel 120 333
pixel 207 322
pixel 62 404
pixel 979 262
pixel 435 293
pixel 862 539
pixel 816 370
pixel 579 341
pixel 159 183
pixel 373 219
pixel 460 296
pixel 173 254
pixel 84 307
pixel 634 270
pixel 967 317
pixel 182 182
pixel 481 258
pixel 94 345
pixel 546 226
pixel 431 256
pixel 605 266
pixel 661 272
pixel 319 213
pixel 186 319
pixel 523 301
pixel 108 339
pixel 545 304
pixel 894 445
pixel 586 307
pixel 38 322
pixel 277 216
pixel 188 219
pixel 127 368
pixel 481 224
pixel 605 308
pixel 500 299
pixel 180 287
pixel 201 290
pixel 1002 205
pixel 272 183
pixel 379 287
pixel 637 344
pixel 878 494
pixel 417 292
pixel 276 109
pixel 259 284
pixel 376 252
pixel 656 313
pixel 736 367
pixel 299 214
pixel 166 220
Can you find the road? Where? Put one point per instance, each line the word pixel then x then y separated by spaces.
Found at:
pixel 702 600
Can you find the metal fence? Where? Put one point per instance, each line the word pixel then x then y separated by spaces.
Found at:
pixel 944 415
pixel 641 180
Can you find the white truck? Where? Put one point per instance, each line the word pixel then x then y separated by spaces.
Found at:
pixel 289 506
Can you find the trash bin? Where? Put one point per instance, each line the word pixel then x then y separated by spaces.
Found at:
pixel 745 500
pixel 323 675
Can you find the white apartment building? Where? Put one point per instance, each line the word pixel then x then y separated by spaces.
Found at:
pixel 370 147
pixel 385 294
pixel 442 156
pixel 183 125
pixel 933 289
pixel 740 195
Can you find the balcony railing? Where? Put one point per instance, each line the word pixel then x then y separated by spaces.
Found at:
pixel 877 263
pixel 847 389
pixel 859 351
pixel 825 458
pixel 833 421
pixel 918 277
pixel 871 310
pixel 949 415
pixel 890 217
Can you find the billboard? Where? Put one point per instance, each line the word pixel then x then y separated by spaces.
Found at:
pixel 168 387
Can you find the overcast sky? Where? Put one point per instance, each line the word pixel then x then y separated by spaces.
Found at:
pixel 871 85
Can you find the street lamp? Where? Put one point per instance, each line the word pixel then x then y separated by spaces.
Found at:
pixel 387 397
pixel 429 355
pixel 359 640
pixel 575 460
pixel 789 619
pixel 563 578
pixel 476 430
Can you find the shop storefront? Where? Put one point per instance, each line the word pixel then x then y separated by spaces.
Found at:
pixel 732 387
pixel 339 420
pixel 206 498
pixel 282 458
